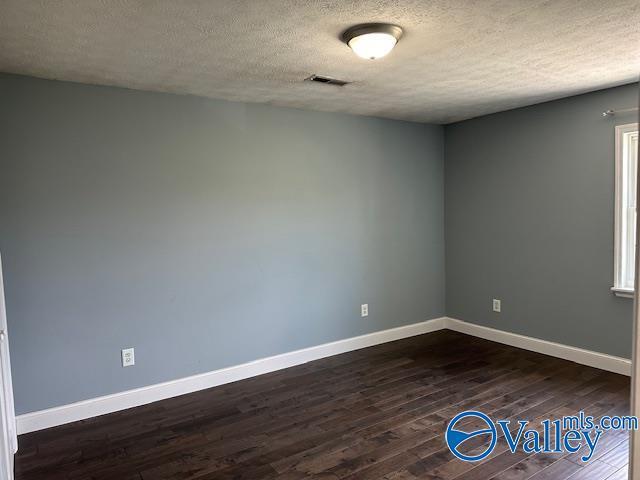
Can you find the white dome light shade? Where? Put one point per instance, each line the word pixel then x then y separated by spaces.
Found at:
pixel 373 45
pixel 372 40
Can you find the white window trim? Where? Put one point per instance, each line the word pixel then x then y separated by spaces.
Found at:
pixel 619 289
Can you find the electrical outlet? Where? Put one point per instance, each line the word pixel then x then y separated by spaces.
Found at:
pixel 364 310
pixel 128 357
pixel 497 306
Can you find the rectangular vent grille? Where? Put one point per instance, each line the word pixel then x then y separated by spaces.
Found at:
pixel 326 80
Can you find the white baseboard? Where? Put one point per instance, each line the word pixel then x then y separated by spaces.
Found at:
pixel 579 355
pixel 51 417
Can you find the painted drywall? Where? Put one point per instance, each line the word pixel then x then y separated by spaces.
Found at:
pixel 529 197
pixel 203 233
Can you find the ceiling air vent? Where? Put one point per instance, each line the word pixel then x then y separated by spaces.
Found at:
pixel 326 80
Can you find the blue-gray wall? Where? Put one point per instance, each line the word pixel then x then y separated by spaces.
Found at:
pixel 203 233
pixel 529 197
pixel 207 233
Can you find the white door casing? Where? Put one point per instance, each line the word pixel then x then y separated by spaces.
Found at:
pixel 8 437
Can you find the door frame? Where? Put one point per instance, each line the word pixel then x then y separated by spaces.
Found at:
pixel 634 440
pixel 8 430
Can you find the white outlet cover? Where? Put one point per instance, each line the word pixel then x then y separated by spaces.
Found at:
pixel 128 357
pixel 364 310
pixel 497 305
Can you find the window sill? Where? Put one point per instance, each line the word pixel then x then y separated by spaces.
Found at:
pixel 623 292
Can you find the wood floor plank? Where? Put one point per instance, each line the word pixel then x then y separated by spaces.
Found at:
pixel 560 470
pixel 617 456
pixel 594 470
pixel 622 474
pixel 378 414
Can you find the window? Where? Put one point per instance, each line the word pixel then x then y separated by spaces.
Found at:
pixel 625 220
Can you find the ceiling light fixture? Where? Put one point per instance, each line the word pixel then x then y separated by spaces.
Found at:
pixel 372 40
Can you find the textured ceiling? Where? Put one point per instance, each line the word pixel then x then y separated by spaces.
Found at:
pixel 458 59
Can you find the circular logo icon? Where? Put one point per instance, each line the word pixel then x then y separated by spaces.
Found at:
pixel 456 438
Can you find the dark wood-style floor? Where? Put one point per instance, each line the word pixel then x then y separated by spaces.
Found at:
pixel 377 413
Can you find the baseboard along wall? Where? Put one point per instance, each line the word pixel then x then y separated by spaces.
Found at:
pixel 599 360
pixel 51 417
